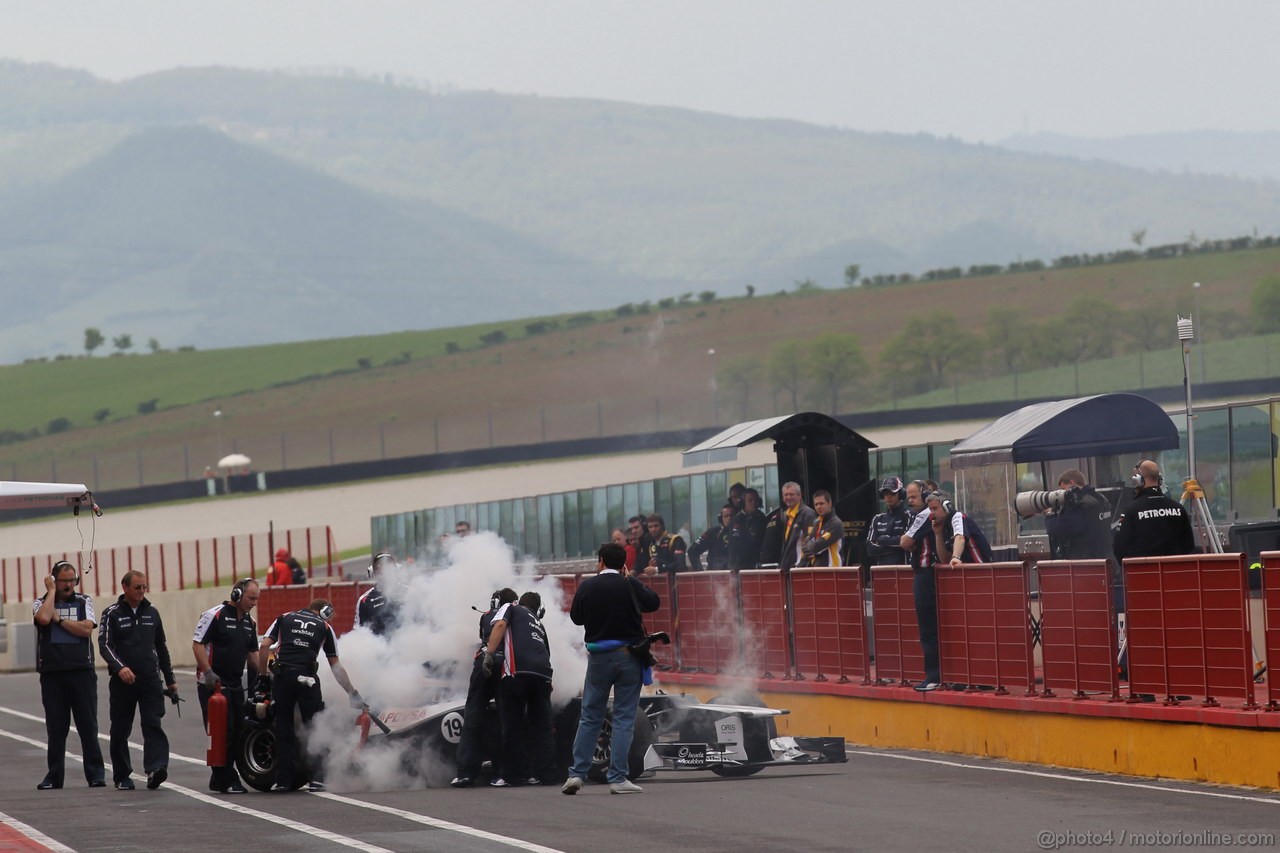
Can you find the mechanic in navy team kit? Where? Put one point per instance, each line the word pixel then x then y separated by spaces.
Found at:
pixel 132 642
pixel 376 610
pixel 225 644
pixel 524 692
pixel 68 682
pixel 481 690
pixel 299 638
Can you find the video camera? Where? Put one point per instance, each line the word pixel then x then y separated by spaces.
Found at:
pixel 1033 503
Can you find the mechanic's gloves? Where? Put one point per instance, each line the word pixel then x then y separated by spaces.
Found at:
pixel 356 700
pixel 486 665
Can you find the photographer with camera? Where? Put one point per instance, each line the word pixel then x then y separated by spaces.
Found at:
pixel 609 607
pixel 1078 524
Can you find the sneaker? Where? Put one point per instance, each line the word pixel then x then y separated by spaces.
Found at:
pixel 626 786
pixel 98 783
pixel 48 785
pixel 125 785
pixel 461 781
pixel 277 788
pixel 237 788
pixel 499 783
pixel 533 780
pixel 156 778
pixel 572 785
pixel 316 787
pixel 927 686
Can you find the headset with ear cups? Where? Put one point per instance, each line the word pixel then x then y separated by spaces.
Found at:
pixel 1138 480
pixel 53 572
pixel 237 591
pixel 326 612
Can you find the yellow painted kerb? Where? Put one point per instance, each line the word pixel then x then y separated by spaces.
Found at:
pixel 1190 751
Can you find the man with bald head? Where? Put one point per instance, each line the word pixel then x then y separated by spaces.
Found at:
pixel 1152 524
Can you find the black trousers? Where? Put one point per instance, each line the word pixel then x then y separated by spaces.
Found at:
pixel 924 588
pixel 287 693
pixel 221 778
pixel 65 694
pixel 528 752
pixel 147 697
pixel 481 690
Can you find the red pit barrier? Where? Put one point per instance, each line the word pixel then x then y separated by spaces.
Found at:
pixel 1271 633
pixel 764 620
pixel 984 634
pixel 568 588
pixel 709 627
pixel 663 619
pixel 895 632
pixel 830 630
pixel 276 600
pixel 1077 628
pixel 1187 622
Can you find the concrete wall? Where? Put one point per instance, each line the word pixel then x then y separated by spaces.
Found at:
pixel 179 610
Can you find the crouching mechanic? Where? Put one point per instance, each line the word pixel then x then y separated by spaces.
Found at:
pixel 524 693
pixel 299 637
pixel 225 643
pixel 376 610
pixel 481 690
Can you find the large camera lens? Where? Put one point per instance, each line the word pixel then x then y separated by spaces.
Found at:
pixel 1028 504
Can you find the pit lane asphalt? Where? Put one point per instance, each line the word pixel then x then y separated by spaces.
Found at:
pixel 880 800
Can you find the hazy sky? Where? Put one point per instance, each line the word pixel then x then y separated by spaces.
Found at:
pixel 979 70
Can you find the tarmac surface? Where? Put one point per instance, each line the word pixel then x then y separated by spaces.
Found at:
pixel 880 800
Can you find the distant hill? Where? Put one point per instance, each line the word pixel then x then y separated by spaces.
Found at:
pixel 514 204
pixel 1206 152
pixel 187 236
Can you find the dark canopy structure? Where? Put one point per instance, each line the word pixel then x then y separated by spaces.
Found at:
pixel 1099 425
pixel 814 450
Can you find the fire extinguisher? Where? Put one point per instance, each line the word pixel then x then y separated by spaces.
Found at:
pixel 217 729
pixel 363 722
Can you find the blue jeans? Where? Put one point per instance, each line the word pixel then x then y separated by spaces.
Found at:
pixel 620 670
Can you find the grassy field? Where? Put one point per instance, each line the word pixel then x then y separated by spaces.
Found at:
pixel 296 405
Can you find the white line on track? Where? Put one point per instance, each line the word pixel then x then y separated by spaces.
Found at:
pixel 278 820
pixel 35 834
pixel 426 820
pixel 1062 776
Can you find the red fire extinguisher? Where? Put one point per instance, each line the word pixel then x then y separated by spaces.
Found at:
pixel 363 722
pixel 217 729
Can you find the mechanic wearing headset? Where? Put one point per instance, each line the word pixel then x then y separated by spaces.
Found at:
pixel 1152 524
pixel 132 642
pixel 224 644
pixel 376 610
pixel 481 690
pixel 68 682
pixel 299 638
pixel 524 693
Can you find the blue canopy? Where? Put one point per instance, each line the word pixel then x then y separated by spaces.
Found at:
pixel 1100 425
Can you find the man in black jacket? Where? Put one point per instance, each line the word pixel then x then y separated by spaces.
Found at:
pixel 884 536
pixel 747 532
pixel 132 643
pixel 609 608
pixel 666 551
pixel 820 544
pixel 68 682
pixel 1152 525
pixel 716 543
pixel 225 644
pixel 1081 528
pixel 524 692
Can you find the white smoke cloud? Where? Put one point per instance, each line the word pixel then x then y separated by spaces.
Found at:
pixel 437 627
